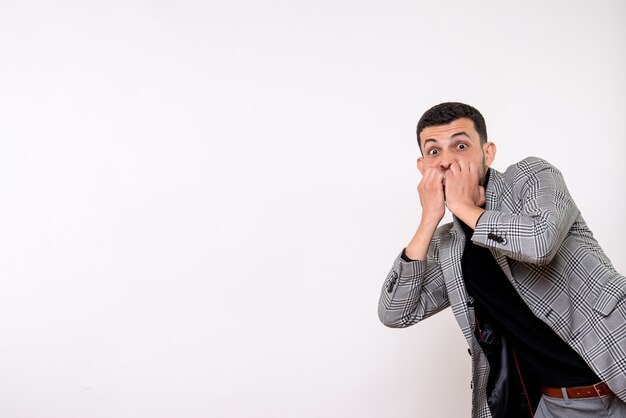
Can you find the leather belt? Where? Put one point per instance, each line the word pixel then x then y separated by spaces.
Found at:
pixel 593 391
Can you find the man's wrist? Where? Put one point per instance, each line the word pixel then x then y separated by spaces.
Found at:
pixel 469 214
pixel 417 249
pixel 431 220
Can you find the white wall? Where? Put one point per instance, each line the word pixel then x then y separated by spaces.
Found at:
pixel 199 201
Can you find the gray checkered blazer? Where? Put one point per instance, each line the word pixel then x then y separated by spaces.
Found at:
pixel 536 233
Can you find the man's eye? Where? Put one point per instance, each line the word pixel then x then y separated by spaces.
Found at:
pixel 432 151
pixel 461 146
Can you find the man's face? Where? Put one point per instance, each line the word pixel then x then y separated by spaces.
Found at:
pixel 457 141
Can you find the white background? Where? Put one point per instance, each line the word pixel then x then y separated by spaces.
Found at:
pixel 201 200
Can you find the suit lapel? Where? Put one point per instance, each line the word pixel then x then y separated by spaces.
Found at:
pixel 451 254
pixel 494 194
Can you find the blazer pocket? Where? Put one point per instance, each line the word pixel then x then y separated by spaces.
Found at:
pixel 613 291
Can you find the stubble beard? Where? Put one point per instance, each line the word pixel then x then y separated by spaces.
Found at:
pixel 483 175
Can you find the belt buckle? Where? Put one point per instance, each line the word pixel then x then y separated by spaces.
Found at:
pixel 600 395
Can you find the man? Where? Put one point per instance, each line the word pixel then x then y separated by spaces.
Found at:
pixel 538 301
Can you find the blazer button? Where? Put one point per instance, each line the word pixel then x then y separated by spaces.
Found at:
pixel 496 238
pixel 392 282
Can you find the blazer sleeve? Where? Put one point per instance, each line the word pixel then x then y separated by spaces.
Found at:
pixel 540 217
pixel 412 291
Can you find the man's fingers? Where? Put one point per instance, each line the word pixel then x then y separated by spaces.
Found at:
pixel 475 169
pixel 434 175
pixel 471 167
pixel 468 167
pixel 454 169
pixel 432 179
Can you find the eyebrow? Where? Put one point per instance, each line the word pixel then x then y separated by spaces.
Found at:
pixel 462 133
pixel 454 135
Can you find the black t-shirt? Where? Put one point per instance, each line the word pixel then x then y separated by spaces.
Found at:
pixel 540 351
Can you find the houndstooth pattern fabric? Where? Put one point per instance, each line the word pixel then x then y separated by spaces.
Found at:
pixel 536 233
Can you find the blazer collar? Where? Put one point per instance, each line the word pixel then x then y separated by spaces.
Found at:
pixel 494 194
pixel 495 190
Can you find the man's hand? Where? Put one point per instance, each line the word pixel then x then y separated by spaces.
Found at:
pixel 430 190
pixel 464 195
pixel 431 194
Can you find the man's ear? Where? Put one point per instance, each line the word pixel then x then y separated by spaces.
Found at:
pixel 489 149
pixel 420 165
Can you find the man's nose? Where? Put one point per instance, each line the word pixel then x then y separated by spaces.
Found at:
pixel 445 162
